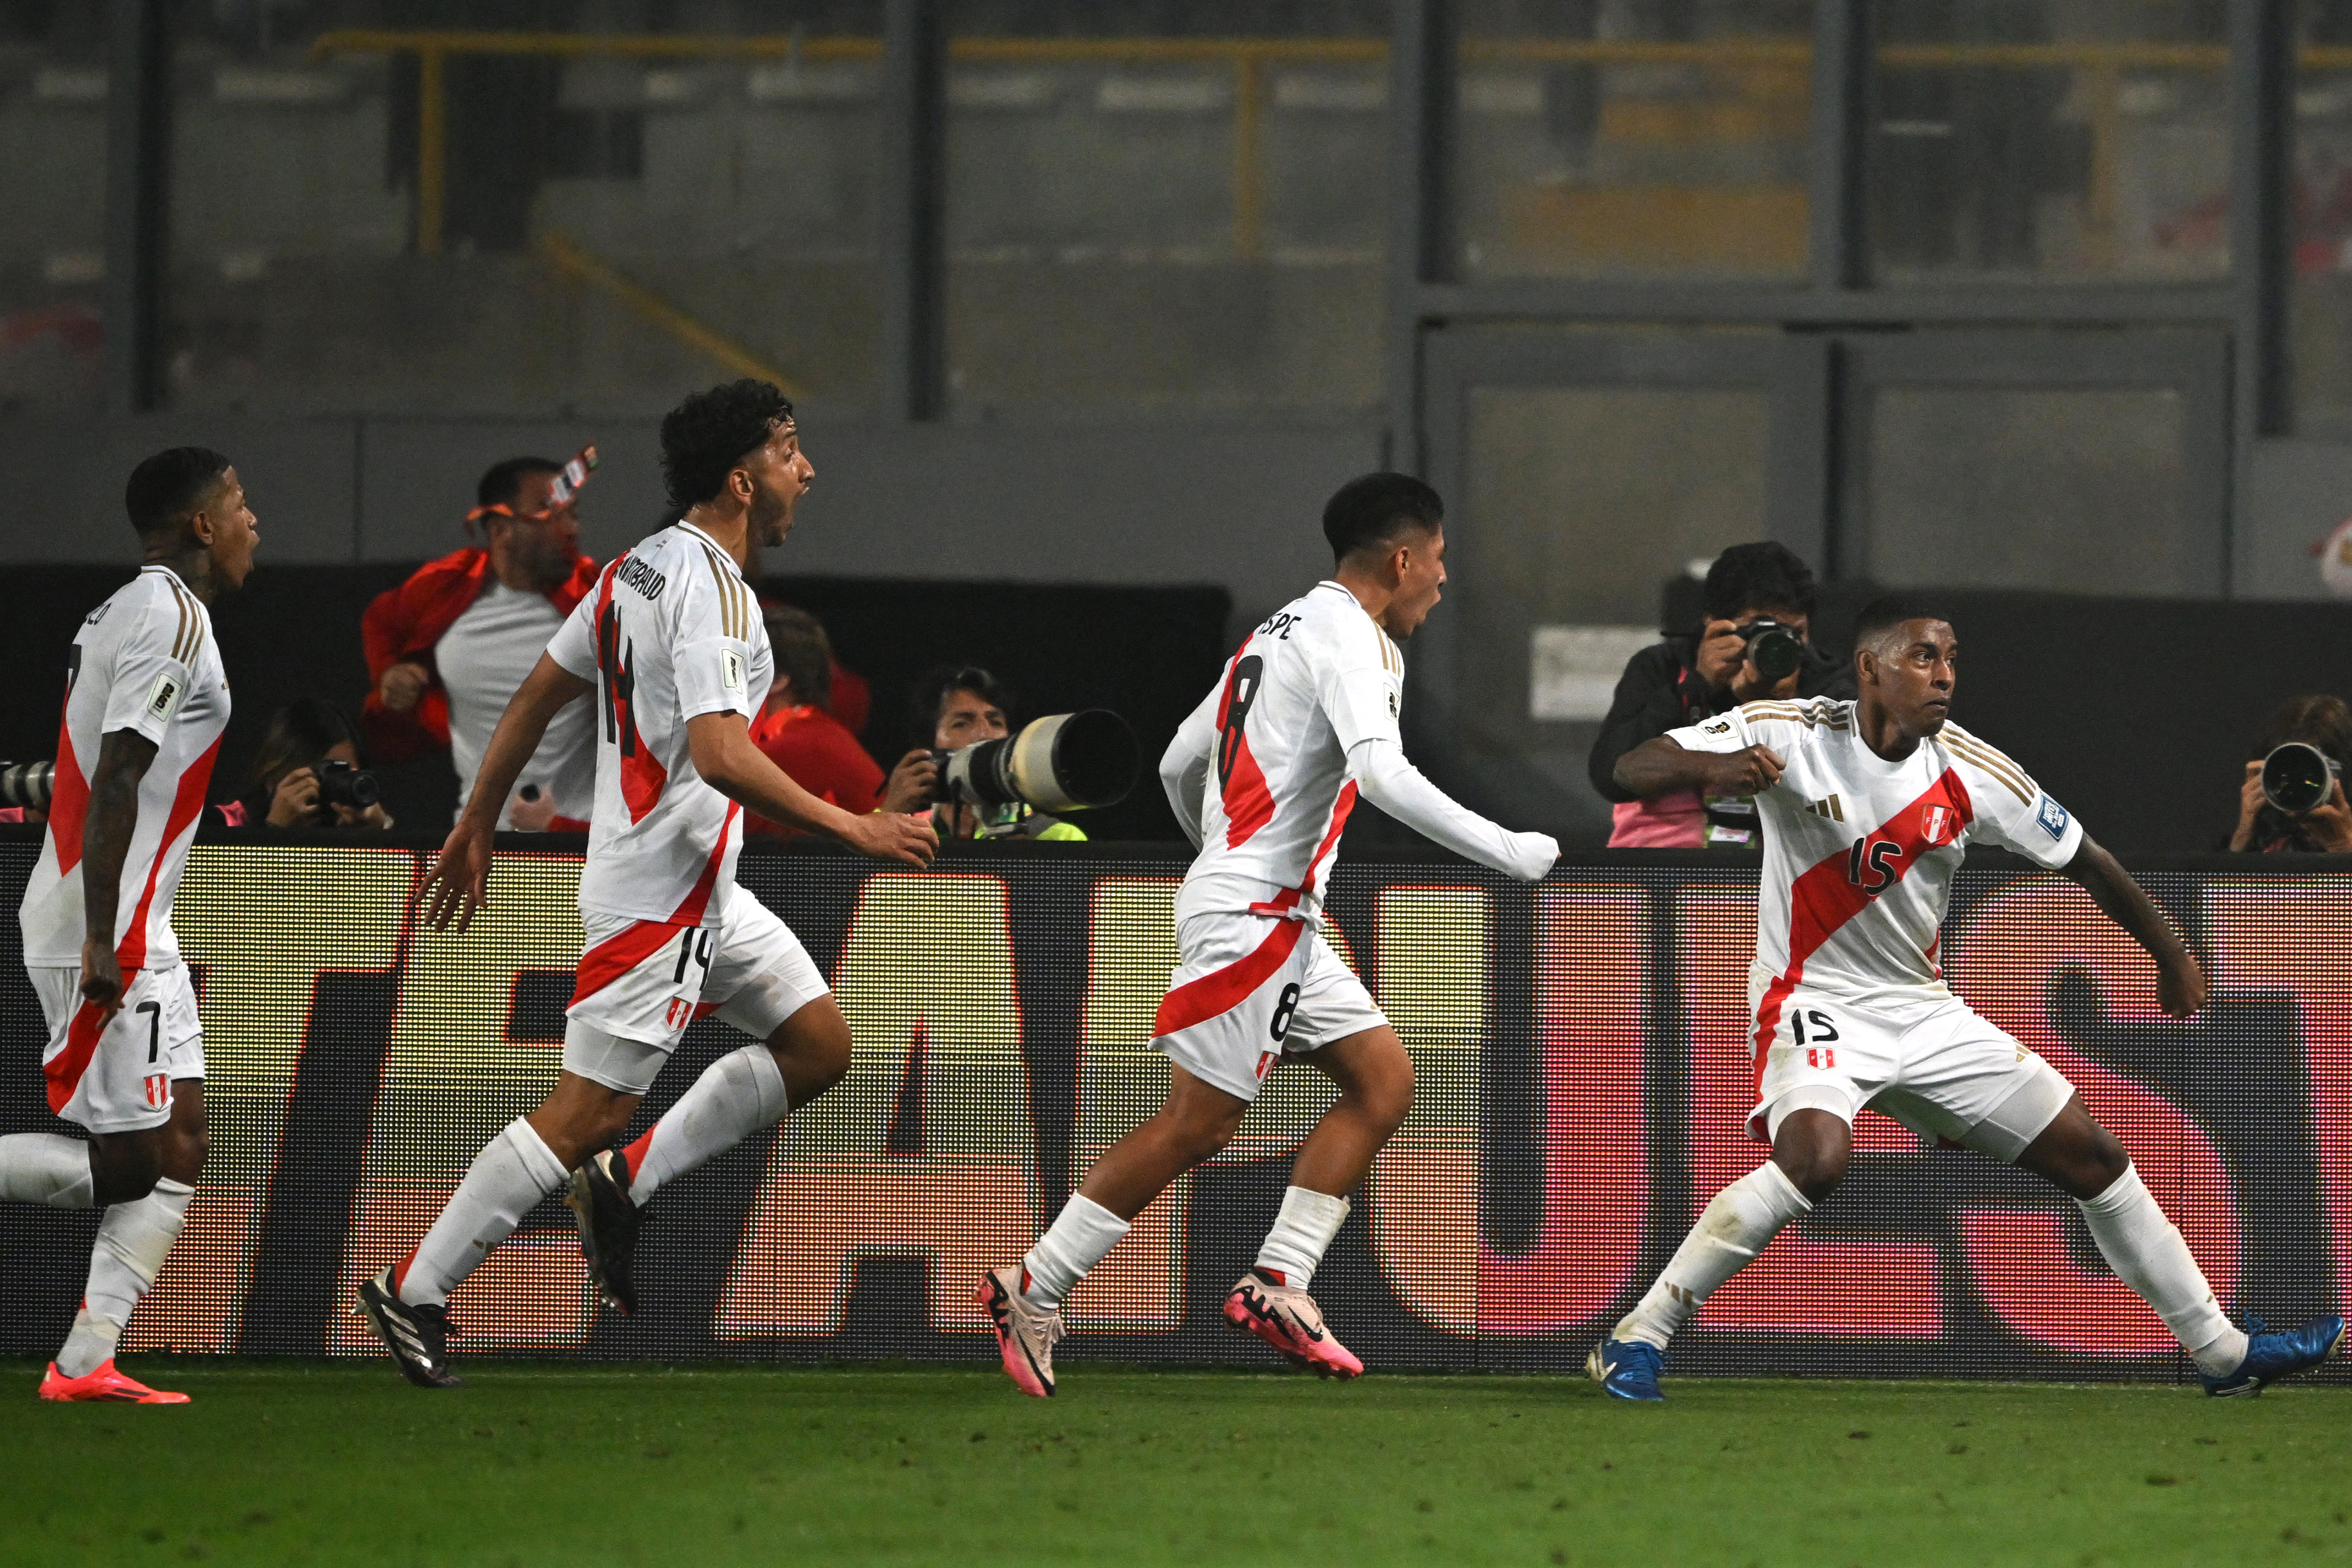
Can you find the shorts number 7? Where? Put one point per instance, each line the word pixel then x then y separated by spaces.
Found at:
pixel 154 1011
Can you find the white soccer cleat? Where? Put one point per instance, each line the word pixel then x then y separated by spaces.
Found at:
pixel 1287 1318
pixel 1025 1333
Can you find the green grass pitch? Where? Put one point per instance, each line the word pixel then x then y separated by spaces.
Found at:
pixel 537 1464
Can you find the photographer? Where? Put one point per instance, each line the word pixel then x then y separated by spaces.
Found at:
pixel 797 728
pixel 1756 595
pixel 2326 828
pixel 308 773
pixel 957 706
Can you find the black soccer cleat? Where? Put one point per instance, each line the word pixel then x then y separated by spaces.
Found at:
pixel 609 1220
pixel 419 1337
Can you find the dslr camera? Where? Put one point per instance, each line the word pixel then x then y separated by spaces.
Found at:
pixel 1773 646
pixel 2298 777
pixel 1064 762
pixel 27 785
pixel 342 784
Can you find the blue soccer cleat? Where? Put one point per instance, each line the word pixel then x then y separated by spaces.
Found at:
pixel 1628 1369
pixel 2270 1356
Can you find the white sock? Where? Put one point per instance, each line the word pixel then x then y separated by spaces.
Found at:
pixel 1079 1239
pixel 1301 1232
pixel 133 1239
pixel 46 1168
pixel 508 1180
pixel 1738 1224
pixel 736 1095
pixel 2147 1253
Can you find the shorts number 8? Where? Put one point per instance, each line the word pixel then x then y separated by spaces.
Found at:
pixel 1283 1008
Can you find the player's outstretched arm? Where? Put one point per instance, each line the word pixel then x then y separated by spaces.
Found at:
pixel 123 756
pixel 1393 784
pixel 2179 981
pixel 458 883
pixel 1661 767
pixel 1184 765
pixel 721 745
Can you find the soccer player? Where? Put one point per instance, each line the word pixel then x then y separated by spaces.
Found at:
pixel 146 701
pixel 672 634
pixel 1304 721
pixel 1868 807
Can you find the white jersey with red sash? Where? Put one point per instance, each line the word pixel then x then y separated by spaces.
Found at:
pixel 672 632
pixel 1315 679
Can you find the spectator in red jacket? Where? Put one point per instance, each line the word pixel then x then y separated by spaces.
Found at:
pixel 447 648
pixel 797 729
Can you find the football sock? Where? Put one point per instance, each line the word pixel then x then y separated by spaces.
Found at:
pixel 46 1168
pixel 1301 1231
pixel 736 1095
pixel 2147 1253
pixel 1738 1224
pixel 133 1239
pixel 1065 1254
pixel 506 1182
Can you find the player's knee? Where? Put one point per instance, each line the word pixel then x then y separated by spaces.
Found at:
pixel 824 1061
pixel 2100 1164
pixel 1387 1098
pixel 1811 1149
pixel 124 1169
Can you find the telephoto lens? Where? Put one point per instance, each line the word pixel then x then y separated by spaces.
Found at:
pixel 340 784
pixel 27 785
pixel 2298 777
pixel 1065 762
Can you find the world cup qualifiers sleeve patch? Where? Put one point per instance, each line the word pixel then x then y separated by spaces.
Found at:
pixel 731 671
pixel 163 696
pixel 1716 727
pixel 2052 817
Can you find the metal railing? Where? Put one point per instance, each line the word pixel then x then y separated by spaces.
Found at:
pixel 1249 59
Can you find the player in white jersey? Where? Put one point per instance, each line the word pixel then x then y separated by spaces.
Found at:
pixel 1262 775
pixel 672 643
pixel 146 701
pixel 1868 807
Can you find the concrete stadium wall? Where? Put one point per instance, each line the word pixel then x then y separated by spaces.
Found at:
pixel 1135 505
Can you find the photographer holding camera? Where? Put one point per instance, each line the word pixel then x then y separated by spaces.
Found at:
pixel 2292 797
pixel 1754 642
pixel 308 773
pixel 957 706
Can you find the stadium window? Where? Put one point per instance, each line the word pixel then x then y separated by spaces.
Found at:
pixel 1168 207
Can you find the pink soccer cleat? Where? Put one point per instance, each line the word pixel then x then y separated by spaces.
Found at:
pixel 104 1383
pixel 1025 1334
pixel 1287 1318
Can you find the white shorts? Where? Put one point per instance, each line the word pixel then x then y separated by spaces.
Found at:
pixel 1931 1064
pixel 118 1077
pixel 1250 990
pixel 643 981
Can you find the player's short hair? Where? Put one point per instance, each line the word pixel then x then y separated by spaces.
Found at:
pixel 1890 611
pixel 167 487
pixel 2321 721
pixel 1767 575
pixel 803 654
pixel 932 691
pixel 705 437
pixel 503 481
pixel 1376 510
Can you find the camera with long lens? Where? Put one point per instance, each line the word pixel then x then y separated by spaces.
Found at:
pixel 1065 762
pixel 2298 777
pixel 1774 647
pixel 344 784
pixel 27 785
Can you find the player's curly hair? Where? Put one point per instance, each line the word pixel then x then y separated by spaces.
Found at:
pixel 703 438
pixel 164 488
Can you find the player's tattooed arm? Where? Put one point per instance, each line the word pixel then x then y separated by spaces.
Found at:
pixel 2179 980
pixel 1661 767
pixel 123 758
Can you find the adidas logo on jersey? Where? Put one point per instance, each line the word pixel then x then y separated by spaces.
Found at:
pixel 1828 807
